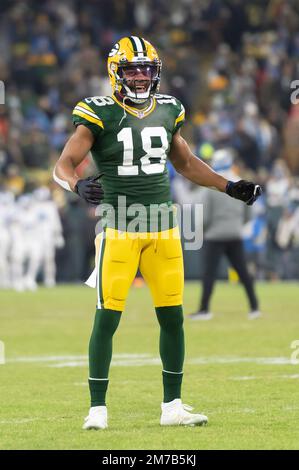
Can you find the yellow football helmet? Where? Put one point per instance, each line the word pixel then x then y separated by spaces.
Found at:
pixel 134 57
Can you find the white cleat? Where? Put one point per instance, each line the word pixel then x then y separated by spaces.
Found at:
pixel 201 315
pixel 175 413
pixel 254 314
pixel 97 418
pixel 30 284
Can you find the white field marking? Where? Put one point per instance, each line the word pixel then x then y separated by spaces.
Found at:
pixel 293 376
pixel 290 408
pixel 239 360
pixel 70 364
pixel 136 360
pixel 18 420
pixel 85 384
pixel 247 410
pixel 30 420
pixel 230 411
pixel 40 359
pixel 289 376
pixel 245 377
pixel 118 362
pixel 2 352
pixel 252 377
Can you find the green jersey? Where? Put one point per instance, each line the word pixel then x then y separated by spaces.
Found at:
pixel 131 146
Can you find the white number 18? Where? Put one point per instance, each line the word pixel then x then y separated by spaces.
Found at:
pixel 158 153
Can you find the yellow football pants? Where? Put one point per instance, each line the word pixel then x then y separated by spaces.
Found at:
pixel 158 255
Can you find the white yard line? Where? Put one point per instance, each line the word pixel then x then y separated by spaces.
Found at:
pixel 289 376
pixel 245 377
pixel 239 360
pixel 138 360
pixel 30 420
pixel 18 420
pixel 230 410
pixel 263 377
pixel 41 359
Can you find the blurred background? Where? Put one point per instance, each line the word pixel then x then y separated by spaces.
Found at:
pixel 230 62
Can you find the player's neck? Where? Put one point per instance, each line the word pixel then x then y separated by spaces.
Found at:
pixel 130 103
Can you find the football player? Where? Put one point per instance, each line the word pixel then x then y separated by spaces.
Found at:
pixel 130 135
pixel 48 233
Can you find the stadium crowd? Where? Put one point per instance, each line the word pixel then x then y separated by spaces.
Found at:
pixel 232 63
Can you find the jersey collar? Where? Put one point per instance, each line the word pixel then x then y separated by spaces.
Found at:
pixel 137 112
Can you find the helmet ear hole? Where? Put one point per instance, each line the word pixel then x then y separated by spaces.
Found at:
pixel 112 68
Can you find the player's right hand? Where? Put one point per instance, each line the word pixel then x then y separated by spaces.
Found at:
pixel 90 189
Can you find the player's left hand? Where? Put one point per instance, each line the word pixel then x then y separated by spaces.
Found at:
pixel 244 190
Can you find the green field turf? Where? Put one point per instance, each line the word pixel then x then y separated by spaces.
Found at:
pixel 238 372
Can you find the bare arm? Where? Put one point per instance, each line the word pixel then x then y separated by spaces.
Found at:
pixel 74 152
pixel 191 167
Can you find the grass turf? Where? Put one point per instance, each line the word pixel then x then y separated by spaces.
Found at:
pixel 237 371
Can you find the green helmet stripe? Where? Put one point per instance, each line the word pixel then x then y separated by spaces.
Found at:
pixel 143 45
pixel 134 45
pixel 138 45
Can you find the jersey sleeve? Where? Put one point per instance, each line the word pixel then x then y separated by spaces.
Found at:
pixel 85 115
pixel 180 117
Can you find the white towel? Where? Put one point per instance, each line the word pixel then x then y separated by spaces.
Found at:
pixel 92 280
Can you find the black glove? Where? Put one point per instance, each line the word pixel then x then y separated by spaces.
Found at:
pixel 244 190
pixel 90 190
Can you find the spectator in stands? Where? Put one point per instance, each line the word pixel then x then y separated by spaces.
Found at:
pixel 234 62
